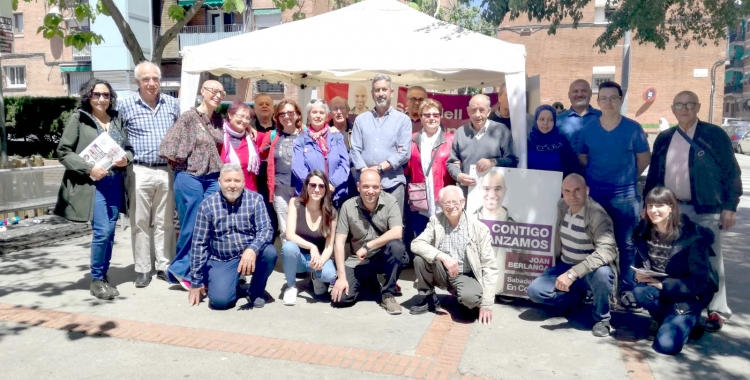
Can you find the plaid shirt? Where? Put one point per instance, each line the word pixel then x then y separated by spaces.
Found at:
pixel 146 127
pixel 223 230
pixel 455 241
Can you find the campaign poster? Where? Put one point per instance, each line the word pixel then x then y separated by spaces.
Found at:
pixel 520 208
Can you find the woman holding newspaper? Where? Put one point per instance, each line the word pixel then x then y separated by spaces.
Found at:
pixel 95 190
pixel 675 278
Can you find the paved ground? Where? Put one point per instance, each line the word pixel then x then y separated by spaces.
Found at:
pixel 50 327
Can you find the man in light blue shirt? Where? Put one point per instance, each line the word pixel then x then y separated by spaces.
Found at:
pixel 381 140
pixel 571 121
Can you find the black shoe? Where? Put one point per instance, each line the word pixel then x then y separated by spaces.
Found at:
pixel 697 332
pixel 714 322
pixel 162 275
pixel 601 329
pixel 142 280
pixel 627 301
pixel 112 288
pixel 429 302
pixel 100 290
pixel 653 329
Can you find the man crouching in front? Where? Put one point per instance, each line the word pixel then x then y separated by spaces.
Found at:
pixel 455 253
pixel 232 236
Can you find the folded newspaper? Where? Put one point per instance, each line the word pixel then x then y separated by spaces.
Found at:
pixel 102 152
pixel 648 272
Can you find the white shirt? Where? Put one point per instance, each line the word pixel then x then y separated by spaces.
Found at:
pixel 425 152
pixel 677 166
pixel 482 130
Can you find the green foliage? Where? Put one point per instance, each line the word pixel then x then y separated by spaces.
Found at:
pixel 234 5
pixel 176 12
pixel 658 22
pixel 37 118
pixel 467 17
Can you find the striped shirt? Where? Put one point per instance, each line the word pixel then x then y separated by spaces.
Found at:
pixel 146 127
pixel 223 230
pixel 576 245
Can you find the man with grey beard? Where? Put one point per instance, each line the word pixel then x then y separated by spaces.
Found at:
pixel 232 236
pixel 381 140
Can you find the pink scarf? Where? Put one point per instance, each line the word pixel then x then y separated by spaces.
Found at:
pixel 320 138
pixel 231 156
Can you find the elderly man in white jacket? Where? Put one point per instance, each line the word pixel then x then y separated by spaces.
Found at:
pixel 454 253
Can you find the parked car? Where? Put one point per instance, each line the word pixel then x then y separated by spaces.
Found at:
pixel 736 132
pixel 743 144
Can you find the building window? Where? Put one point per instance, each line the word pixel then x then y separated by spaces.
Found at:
pixel 603 11
pixel 269 88
pixel 226 80
pixel 15 77
pixel 18 23
pixel 266 18
pixel 601 74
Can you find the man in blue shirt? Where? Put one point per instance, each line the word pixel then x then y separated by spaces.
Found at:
pixel 232 236
pixel 615 151
pixel 147 115
pixel 381 140
pixel 580 113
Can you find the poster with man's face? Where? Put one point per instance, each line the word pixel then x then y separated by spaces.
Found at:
pixel 519 206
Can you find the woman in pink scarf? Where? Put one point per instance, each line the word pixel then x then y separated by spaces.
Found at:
pixel 241 143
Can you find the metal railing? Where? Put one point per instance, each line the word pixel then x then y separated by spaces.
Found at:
pixel 29 188
pixel 228 28
pixel 733 88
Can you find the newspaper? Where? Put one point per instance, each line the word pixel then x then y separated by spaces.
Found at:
pixel 648 272
pixel 103 152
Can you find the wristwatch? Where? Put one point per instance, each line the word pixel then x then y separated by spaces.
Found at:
pixel 380 168
pixel 367 249
pixel 570 276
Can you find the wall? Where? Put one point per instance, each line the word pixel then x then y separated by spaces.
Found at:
pixel 569 54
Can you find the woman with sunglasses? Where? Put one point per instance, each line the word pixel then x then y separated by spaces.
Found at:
pixel 548 149
pixel 311 225
pixel 94 191
pixel 682 283
pixel 276 148
pixel 322 149
pixel 191 147
pixel 430 150
pixel 240 143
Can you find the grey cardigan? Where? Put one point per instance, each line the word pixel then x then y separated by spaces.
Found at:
pixel 496 143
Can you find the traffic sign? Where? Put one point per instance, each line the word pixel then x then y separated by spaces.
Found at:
pixel 6 23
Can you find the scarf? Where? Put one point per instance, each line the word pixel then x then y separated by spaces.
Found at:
pixel 231 156
pixel 320 137
pixel 546 142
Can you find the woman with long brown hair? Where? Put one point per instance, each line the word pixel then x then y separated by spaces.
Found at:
pixel 681 281
pixel 310 229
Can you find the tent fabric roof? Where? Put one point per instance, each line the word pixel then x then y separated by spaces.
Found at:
pixel 372 36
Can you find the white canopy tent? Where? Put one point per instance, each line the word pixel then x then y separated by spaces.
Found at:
pixel 355 43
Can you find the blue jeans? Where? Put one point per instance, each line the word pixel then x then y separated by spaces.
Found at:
pixel 675 328
pixel 222 279
pixel 294 260
pixel 189 192
pixel 108 201
pixel 600 282
pixel 625 214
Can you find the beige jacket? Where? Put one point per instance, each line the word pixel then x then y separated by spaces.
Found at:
pixel 479 252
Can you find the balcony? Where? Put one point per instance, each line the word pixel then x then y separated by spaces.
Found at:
pixel 733 37
pixel 82 55
pixel 733 89
pixel 197 35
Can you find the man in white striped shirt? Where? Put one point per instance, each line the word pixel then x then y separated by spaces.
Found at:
pixel 584 250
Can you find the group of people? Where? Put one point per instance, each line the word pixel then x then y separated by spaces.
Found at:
pixel 351 201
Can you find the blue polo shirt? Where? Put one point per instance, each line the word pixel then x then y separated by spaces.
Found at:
pixel 612 169
pixel 570 123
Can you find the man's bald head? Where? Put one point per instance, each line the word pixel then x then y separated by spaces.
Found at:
pixel 575 178
pixel 579 94
pixel 575 192
pixel 480 100
pixel 688 94
pixel 369 187
pixel 213 84
pixel 689 106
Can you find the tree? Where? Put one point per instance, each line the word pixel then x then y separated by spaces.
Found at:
pixel 659 22
pixel 55 26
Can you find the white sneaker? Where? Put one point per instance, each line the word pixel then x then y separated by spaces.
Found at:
pixel 290 296
pixel 319 287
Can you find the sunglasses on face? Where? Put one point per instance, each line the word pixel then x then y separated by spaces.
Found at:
pixel 430 115
pixel 319 186
pixel 97 95
pixel 287 114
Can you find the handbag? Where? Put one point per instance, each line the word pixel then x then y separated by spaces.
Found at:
pixel 418 191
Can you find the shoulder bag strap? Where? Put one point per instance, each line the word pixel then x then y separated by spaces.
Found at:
pixel 699 151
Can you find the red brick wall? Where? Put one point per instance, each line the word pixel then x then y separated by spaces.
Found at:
pixel 569 54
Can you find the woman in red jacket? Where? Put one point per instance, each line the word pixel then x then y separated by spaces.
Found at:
pixel 240 143
pixel 430 149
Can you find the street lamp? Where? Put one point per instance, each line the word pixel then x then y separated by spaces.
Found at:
pixel 716 65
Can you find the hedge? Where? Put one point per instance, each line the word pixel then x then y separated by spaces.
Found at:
pixel 36 119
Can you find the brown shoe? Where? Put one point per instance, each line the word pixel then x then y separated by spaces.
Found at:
pixel 390 305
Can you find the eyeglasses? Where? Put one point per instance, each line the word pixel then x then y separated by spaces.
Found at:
pixel 611 99
pixel 416 100
pixel 215 91
pixel 97 95
pixel 679 106
pixel 319 186
pixel 452 203
pixel 338 109
pixel 287 113
pixel 429 115
pixel 243 118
